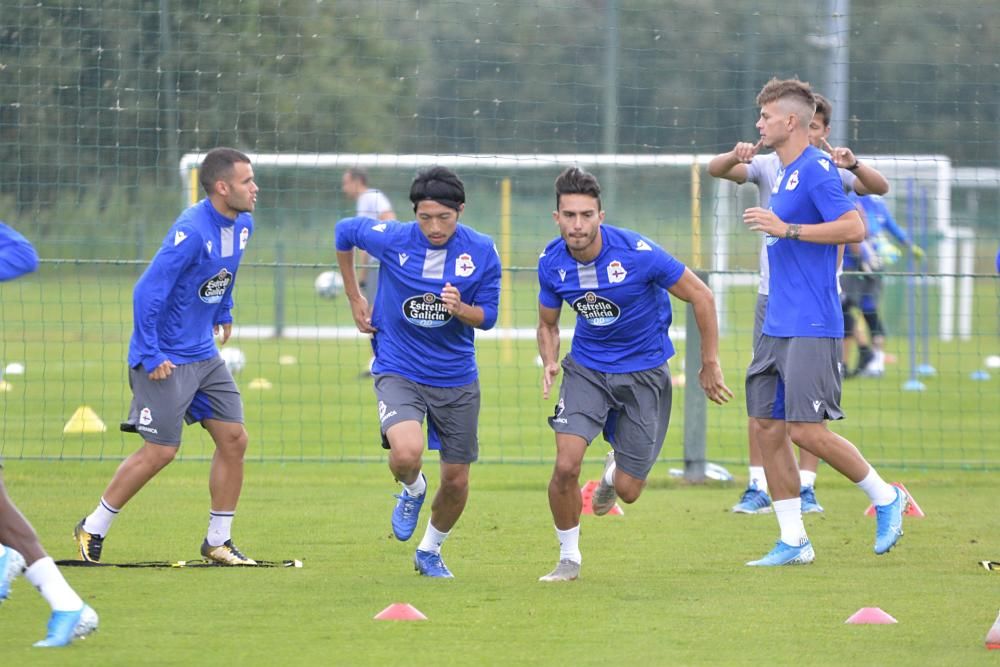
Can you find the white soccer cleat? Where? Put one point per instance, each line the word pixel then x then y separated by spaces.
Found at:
pixel 566 570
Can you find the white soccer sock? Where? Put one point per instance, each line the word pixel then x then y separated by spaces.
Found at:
pixel 807 478
pixel 789 513
pixel 609 474
pixel 418 487
pixel 569 544
pixel 220 527
pixel 757 475
pixel 433 538
pixel 879 491
pixel 99 521
pixel 46 577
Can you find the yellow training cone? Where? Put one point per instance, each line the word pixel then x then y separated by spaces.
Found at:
pixel 84 420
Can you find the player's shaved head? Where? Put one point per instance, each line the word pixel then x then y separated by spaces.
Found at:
pixel 792 96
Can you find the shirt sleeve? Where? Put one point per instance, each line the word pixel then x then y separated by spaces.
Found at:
pixel 892 226
pixel 179 249
pixel 488 294
pixel 547 296
pixel 667 269
pixel 827 193
pixel 368 234
pixel 17 255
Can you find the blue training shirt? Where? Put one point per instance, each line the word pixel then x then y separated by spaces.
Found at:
pixel 623 310
pixel 17 255
pixel 417 338
pixel 803 298
pixel 187 288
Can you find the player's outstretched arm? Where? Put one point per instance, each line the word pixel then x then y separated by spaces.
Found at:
pixel 352 290
pixel 732 166
pixel 548 346
pixel 690 288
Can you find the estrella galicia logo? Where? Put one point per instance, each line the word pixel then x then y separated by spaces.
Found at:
pixel 597 310
pixel 426 310
pixel 211 290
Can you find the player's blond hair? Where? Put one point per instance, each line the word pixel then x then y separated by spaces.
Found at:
pixel 795 97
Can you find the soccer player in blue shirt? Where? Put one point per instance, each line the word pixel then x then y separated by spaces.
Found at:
pixel 175 371
pixel 616 374
pixel 745 164
pixel 793 383
pixel 439 280
pixel 71 617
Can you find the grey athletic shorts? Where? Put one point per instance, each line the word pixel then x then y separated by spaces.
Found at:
pixel 632 409
pixel 452 414
pixel 759 313
pixel 195 391
pixel 795 379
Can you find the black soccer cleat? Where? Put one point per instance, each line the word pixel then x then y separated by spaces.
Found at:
pixel 90 545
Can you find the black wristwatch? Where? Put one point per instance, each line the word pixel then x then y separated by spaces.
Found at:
pixel 854 167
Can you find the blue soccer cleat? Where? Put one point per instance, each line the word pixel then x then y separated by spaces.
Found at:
pixel 65 626
pixel 809 503
pixel 889 522
pixel 406 513
pixel 11 565
pixel 786 554
pixel 753 501
pixel 429 564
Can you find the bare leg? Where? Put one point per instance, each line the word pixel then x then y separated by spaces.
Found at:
pixel 406 448
pixel 225 481
pixel 779 460
pixel 449 501
pixel 135 471
pixel 564 487
pixel 836 450
pixel 15 531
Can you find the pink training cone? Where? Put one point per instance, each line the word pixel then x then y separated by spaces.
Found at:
pixel 993 636
pixel 400 611
pixel 587 492
pixel 870 616
pixel 912 508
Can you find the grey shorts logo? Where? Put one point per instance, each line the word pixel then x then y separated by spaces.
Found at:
pixel 597 310
pixel 146 429
pixel 382 415
pixel 145 417
pixel 426 310
pixel 560 408
pixel 816 406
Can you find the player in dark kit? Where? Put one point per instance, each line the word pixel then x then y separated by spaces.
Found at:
pixel 616 374
pixel 175 371
pixel 439 281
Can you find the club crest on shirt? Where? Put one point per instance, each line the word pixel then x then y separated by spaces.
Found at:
pixel 211 290
pixel 596 310
pixel 244 237
pixel 426 310
pixel 616 272
pixel 793 181
pixel 464 266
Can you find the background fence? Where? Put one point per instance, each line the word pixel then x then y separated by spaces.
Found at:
pixel 99 106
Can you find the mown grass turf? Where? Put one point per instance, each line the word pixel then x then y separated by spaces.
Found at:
pixel 664 584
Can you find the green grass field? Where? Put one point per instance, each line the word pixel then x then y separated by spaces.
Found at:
pixel 664 584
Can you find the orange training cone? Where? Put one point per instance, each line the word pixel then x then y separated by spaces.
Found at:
pixel 400 611
pixel 912 508
pixel 870 616
pixel 587 492
pixel 993 636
